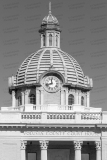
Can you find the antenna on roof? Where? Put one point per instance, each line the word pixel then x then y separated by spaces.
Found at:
pixel 49 7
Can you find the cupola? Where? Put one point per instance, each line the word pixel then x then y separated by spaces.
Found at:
pixel 50 31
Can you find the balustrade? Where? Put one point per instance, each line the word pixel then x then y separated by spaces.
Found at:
pixel 90 116
pixel 61 116
pixel 84 117
pixel 40 113
pixel 30 116
pixel 65 107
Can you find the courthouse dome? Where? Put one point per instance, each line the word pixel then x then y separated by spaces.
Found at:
pixel 50 58
pixel 47 59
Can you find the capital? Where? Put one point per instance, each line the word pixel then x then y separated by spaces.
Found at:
pixel 44 144
pixel 78 145
pixel 13 92
pixel 88 94
pixel 26 92
pixel 23 145
pixel 98 145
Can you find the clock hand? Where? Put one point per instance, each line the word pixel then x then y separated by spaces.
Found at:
pixel 49 83
pixel 51 80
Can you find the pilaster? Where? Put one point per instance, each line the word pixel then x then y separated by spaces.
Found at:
pixel 66 96
pixel 76 97
pixel 26 97
pixel 13 99
pixel 23 150
pixel 42 96
pixel 37 96
pixel 79 96
pixel 88 99
pixel 62 97
pixel 98 150
pixel 23 97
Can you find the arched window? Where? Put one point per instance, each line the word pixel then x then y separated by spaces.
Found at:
pixel 43 40
pixel 32 99
pixel 19 100
pixel 82 101
pixel 56 40
pixel 50 40
pixel 70 99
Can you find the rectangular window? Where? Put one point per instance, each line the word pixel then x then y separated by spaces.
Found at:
pixel 85 156
pixel 31 156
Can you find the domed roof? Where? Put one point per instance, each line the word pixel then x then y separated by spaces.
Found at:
pixel 50 19
pixel 50 58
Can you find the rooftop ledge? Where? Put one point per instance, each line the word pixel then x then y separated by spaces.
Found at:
pixel 52 114
pixel 51 108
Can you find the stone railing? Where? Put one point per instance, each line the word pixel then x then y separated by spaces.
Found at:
pixel 51 107
pixel 31 116
pixel 90 116
pixel 52 117
pixel 62 117
pixel 65 114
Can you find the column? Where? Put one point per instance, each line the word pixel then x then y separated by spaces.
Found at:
pixel 62 97
pixel 54 39
pixel 41 96
pixel 13 99
pixel 26 97
pixel 66 96
pixel 88 99
pixel 79 97
pixel 43 146
pixel 47 39
pixel 76 97
pixel 37 97
pixel 98 150
pixel 23 97
pixel 23 150
pixel 77 147
pixel 41 40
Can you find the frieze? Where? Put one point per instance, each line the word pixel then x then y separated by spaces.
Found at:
pixel 60 133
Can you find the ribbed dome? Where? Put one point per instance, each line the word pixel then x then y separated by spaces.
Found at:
pixel 46 58
pixel 50 19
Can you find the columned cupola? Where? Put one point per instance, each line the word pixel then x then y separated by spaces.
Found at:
pixel 50 31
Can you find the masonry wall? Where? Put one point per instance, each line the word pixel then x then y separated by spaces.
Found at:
pixel 104 144
pixel 10 142
pixel 52 98
pixel 9 149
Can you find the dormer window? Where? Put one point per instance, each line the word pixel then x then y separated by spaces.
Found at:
pixel 50 39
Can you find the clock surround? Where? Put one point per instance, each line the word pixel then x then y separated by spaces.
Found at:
pixel 51 83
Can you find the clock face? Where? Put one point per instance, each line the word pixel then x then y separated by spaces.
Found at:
pixel 51 84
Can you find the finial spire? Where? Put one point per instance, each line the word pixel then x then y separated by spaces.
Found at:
pixel 49 7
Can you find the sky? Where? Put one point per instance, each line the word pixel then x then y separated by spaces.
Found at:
pixel 83 36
